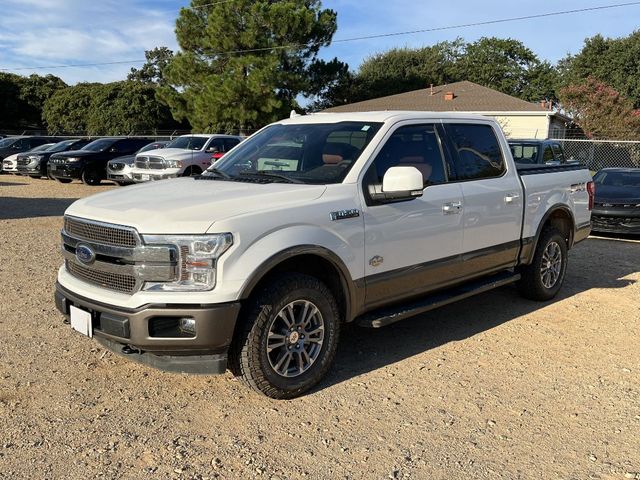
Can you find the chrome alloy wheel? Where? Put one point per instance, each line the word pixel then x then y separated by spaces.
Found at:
pixel 295 338
pixel 551 266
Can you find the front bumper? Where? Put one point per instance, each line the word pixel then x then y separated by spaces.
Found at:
pixel 65 170
pixel 8 166
pixel 143 175
pixel 121 176
pixel 147 335
pixel 29 169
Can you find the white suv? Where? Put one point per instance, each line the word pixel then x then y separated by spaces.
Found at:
pixel 185 156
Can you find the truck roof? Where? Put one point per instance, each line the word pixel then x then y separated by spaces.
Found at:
pixel 381 116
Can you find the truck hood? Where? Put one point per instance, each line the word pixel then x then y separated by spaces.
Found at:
pixel 172 153
pixel 186 205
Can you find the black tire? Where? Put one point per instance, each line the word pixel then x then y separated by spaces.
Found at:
pixel 539 280
pixel 90 176
pixel 62 180
pixel 191 171
pixel 250 358
pixel 122 184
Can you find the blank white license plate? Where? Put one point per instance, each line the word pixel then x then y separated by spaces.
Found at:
pixel 145 177
pixel 81 321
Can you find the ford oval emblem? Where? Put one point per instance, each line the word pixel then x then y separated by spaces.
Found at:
pixel 85 254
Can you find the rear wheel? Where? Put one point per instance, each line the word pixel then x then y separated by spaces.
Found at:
pixel 543 278
pixel 288 337
pixel 91 177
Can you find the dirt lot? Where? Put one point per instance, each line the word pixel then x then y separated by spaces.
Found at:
pixel 493 387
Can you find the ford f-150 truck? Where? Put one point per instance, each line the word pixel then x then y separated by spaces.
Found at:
pixel 311 223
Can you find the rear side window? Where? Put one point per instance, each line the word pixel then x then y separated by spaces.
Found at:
pixel 547 154
pixel 229 143
pixel 478 151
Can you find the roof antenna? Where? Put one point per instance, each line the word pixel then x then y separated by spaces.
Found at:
pixel 294 114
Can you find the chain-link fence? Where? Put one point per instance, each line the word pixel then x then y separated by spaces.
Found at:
pixel 597 154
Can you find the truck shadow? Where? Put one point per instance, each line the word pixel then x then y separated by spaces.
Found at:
pixel 362 350
pixel 13 208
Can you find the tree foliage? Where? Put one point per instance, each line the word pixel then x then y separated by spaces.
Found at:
pixel 22 99
pixel 274 49
pixel 153 70
pixel 600 110
pixel 505 65
pixel 613 61
pixel 117 108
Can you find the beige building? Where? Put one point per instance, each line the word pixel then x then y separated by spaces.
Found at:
pixel 519 119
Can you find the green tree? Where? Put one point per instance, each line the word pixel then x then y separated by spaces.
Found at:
pixel 614 61
pixel 600 110
pixel 243 63
pixel 118 108
pixel 22 99
pixel 153 70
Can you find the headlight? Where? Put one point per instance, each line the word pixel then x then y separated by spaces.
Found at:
pixel 197 262
pixel 34 158
pixel 71 159
pixel 173 163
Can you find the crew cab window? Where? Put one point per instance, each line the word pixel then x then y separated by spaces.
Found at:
pixel 478 151
pixel 547 154
pixel 524 153
pixel 558 153
pixel 413 146
pixel 216 145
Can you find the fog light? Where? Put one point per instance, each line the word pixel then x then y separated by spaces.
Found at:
pixel 188 325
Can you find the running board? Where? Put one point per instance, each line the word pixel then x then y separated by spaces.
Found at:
pixel 386 316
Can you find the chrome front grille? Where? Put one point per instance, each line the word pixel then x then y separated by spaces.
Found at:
pixel 101 233
pixel 112 281
pixel 149 162
pixel 121 262
pixel 23 161
pixel 115 166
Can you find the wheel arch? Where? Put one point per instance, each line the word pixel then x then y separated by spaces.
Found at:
pixel 561 217
pixel 316 261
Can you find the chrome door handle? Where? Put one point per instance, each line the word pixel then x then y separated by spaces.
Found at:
pixel 451 208
pixel 511 197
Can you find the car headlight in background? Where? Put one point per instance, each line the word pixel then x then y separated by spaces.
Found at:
pixel 173 163
pixel 70 159
pixel 34 158
pixel 197 262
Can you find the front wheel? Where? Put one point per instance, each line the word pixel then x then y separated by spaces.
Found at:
pixel 288 337
pixel 542 279
pixel 91 177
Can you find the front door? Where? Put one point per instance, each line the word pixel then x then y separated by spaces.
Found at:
pixel 412 246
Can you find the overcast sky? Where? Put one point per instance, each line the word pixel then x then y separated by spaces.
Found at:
pixel 55 32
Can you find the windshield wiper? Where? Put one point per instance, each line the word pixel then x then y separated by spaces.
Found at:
pixel 218 172
pixel 270 174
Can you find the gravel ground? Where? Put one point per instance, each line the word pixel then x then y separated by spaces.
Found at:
pixel 491 387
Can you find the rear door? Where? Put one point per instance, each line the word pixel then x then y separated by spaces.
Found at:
pixel 412 246
pixel 492 197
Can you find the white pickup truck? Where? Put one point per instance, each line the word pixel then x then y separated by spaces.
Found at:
pixel 311 223
pixel 185 156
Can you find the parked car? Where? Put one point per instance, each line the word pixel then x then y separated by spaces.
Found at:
pixel 90 163
pixel 537 152
pixel 119 169
pixel 185 156
pixel 10 164
pixel 34 163
pixel 255 264
pixel 22 143
pixel 617 202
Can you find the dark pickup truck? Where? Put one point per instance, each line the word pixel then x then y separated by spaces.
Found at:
pixel 537 152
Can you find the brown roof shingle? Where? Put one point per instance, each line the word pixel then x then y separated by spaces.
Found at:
pixel 468 97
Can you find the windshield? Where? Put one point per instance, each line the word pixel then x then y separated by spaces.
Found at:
pixel 319 153
pixel 188 143
pixel 7 142
pixel 618 179
pixel 524 152
pixel 61 146
pixel 42 148
pixel 151 146
pixel 99 145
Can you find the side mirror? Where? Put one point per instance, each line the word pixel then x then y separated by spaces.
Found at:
pixel 400 183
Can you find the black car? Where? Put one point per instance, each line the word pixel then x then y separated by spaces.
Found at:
pixel 12 145
pixel 34 164
pixel 617 201
pixel 89 164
